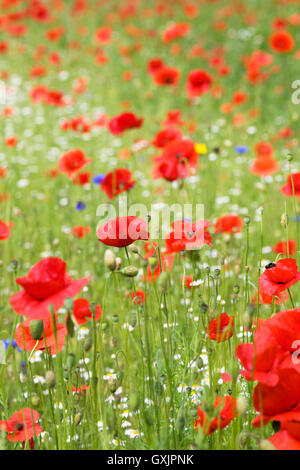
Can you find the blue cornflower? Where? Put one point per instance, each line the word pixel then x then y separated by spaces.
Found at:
pixel 80 205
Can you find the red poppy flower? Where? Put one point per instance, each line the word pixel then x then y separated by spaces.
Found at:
pixel 292 181
pixel 263 166
pixel 166 76
pixel 227 411
pixel 154 65
pixel 221 328
pixel 268 299
pixel 188 280
pixel 282 41
pixel 229 223
pixel 11 141
pixel 81 390
pixel 82 311
pixel 4 231
pixel 166 136
pixel 72 161
pixel 279 277
pixel 164 264
pixel 82 178
pixel 282 440
pixel 123 122
pixel 48 341
pixel 80 231
pixel 264 149
pixel 122 231
pixel 138 296
pixel 198 82
pixel 22 425
pixel 187 236
pixel 175 31
pixel 103 34
pixel 116 182
pixel 47 283
pixel 286 247
pixel 176 160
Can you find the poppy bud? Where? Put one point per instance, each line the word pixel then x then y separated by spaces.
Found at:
pixel 200 363
pixel 134 249
pixel 203 307
pixel 265 444
pixel 217 272
pixel 241 405
pixel 118 263
pixel 148 415
pixel 115 318
pixel 153 261
pixel 163 282
pixel 78 418
pixel 70 326
pixel 194 412
pixel 110 260
pixel 284 220
pixel 23 378
pixel 50 378
pixel 112 383
pixel 247 220
pixel 36 329
pixel 130 271
pixel 88 343
pixel 35 400
pixel 290 158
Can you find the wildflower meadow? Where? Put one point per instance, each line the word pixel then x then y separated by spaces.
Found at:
pixel 149 225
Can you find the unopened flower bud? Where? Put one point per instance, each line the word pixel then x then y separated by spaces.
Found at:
pixel 35 400
pixel 118 263
pixel 134 249
pixel 130 271
pixel 241 405
pixel 36 329
pixel 50 378
pixel 78 418
pixel 284 220
pixel 112 383
pixel 88 343
pixel 110 260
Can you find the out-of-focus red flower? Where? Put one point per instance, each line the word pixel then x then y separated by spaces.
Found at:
pixel 227 411
pixel 11 141
pixel 177 159
pixel 268 299
pixel 47 283
pixel 154 65
pixel 285 247
pixel 22 425
pixel 282 41
pixel 221 328
pixel 166 76
pixel 229 223
pixel 187 236
pixel 279 277
pixel 122 231
pixel 81 231
pixel 175 31
pixel 292 186
pixel 4 231
pixel 138 297
pixel 72 161
pixel 103 34
pixel 52 338
pixel 116 182
pixel 124 122
pixel 198 82
pixel 165 136
pixel 82 311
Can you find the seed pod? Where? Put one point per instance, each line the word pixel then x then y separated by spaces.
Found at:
pixel 50 378
pixel 110 260
pixel 36 329
pixel 130 271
